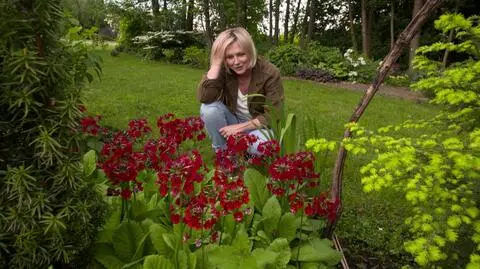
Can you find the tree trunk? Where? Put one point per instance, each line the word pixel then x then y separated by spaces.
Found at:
pixel 270 16
pixel 417 4
pixel 285 25
pixel 311 21
pixel 239 8
pixel 184 14
pixel 295 21
pixel 365 29
pixel 402 42
pixel 221 14
pixel 303 32
pixel 450 39
pixel 189 24
pixel 277 22
pixel 392 23
pixel 155 8
pixel 352 26
pixel 208 29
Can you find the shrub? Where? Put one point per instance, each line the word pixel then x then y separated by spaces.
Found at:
pixel 287 58
pixel 314 74
pixel 154 44
pixel 327 58
pixel 50 208
pixel 399 80
pixel 196 57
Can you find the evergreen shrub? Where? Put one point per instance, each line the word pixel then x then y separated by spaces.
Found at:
pixel 49 207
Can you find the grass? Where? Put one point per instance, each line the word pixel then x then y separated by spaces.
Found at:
pixel 133 88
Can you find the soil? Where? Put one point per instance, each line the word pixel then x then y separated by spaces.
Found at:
pixel 386 90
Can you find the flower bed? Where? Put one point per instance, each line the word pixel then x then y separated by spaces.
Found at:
pixel 168 208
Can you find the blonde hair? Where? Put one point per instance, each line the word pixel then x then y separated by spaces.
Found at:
pixel 228 37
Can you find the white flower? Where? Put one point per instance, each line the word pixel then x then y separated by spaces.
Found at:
pixel 354 64
pixel 352 74
pixel 362 61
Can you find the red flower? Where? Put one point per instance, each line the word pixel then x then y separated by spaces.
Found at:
pixel 238 216
pixel 126 194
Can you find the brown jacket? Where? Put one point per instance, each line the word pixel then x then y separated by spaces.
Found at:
pixel 265 81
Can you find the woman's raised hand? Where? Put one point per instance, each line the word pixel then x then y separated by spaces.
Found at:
pixel 216 62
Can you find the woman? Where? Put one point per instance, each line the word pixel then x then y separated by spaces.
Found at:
pixel 235 73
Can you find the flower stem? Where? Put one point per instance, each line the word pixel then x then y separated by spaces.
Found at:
pixel 300 234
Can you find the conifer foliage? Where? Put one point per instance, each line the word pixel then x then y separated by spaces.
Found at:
pixel 49 210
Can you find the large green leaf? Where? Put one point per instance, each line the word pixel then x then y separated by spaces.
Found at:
pixel 264 257
pixel 257 187
pixel 287 227
pixel 280 246
pixel 126 239
pixel 182 259
pixel 112 223
pixel 271 213
pixel 105 255
pixel 157 262
pixel 89 163
pixel 139 252
pixel 156 236
pixel 316 250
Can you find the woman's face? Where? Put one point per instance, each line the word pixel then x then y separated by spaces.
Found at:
pixel 237 59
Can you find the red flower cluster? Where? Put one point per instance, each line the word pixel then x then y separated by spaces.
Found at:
pixel 178 175
pixel 291 175
pixel 232 159
pixel 90 125
pixel 201 213
pixel 178 130
pixel 323 207
pixel 269 150
pixel 138 128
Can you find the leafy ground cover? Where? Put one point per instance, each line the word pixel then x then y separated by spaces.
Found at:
pixel 371 226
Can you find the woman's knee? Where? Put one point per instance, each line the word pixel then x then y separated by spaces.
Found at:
pixel 212 110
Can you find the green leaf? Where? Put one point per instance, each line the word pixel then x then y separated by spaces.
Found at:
pixel 288 226
pixel 316 250
pixel 126 239
pixel 156 235
pixel 113 221
pixel 264 257
pixel 139 252
pixel 105 255
pixel 257 187
pixel 157 262
pixel 169 239
pixel 182 259
pixel 89 163
pixel 271 213
pixel 192 261
pixel 281 246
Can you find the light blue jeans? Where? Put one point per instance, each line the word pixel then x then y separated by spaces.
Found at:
pixel 216 116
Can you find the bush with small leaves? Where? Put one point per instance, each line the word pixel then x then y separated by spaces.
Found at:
pixel 50 210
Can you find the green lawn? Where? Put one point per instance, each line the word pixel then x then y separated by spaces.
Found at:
pixel 133 88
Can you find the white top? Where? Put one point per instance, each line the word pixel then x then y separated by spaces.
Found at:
pixel 242 107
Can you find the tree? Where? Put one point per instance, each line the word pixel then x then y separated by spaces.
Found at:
pixel 190 13
pixel 208 28
pixel 366 28
pixel 417 4
pixel 276 35
pixel 352 25
pixel 295 21
pixel 155 8
pixel 287 18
